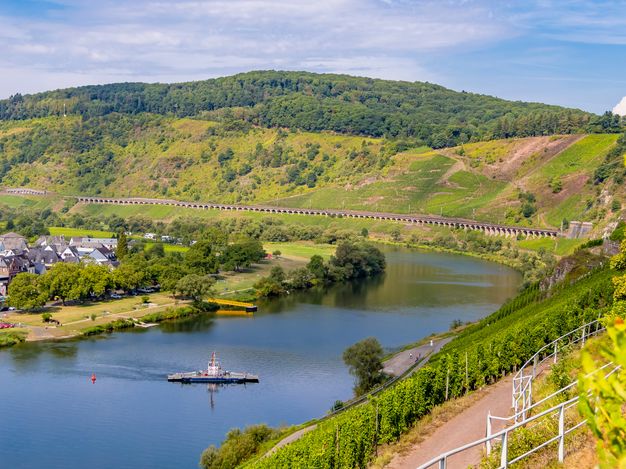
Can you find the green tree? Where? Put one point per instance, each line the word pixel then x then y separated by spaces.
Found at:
pixel 122 245
pixel 364 359
pixel 267 287
pixel 96 279
pixel 63 281
pixel 200 258
pixel 237 447
pixel 196 287
pixel 131 274
pixel 277 274
pixel 318 267
pixel 239 255
pixel 26 293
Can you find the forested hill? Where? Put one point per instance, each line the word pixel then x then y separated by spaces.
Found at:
pixel 437 116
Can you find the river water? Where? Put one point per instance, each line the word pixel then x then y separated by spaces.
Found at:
pixel 52 416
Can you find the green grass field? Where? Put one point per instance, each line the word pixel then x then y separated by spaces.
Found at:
pixel 560 246
pixel 301 249
pixel 69 232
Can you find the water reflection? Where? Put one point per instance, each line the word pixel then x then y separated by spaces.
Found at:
pixel 132 417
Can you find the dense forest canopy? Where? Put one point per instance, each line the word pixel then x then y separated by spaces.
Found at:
pixel 362 106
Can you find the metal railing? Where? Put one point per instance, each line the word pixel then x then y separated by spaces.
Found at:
pixel 503 436
pixel 522 393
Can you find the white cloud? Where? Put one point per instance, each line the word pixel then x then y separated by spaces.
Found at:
pixel 151 39
pixel 621 107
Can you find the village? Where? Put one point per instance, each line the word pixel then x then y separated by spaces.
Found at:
pixel 17 256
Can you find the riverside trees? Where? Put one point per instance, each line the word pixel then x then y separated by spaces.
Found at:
pixel 365 361
pixel 352 260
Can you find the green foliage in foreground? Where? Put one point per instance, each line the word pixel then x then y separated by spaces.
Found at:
pixel 604 409
pixel 494 346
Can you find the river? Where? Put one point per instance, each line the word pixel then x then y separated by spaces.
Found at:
pixel 52 416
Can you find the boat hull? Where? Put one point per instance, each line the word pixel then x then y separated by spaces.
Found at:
pixel 224 379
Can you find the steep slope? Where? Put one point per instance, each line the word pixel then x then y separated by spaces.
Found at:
pixel 535 180
pixel 315 102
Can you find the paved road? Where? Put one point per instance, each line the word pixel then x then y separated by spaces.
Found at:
pixel 402 361
pixel 395 366
pixel 469 425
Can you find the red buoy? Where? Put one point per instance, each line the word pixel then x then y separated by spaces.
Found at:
pixel 93 378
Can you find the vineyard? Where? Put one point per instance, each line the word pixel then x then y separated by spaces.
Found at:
pixel 480 355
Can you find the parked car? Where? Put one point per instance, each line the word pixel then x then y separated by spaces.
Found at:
pixel 6 325
pixel 115 296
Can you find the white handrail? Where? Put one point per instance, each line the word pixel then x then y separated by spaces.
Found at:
pixel 503 435
pixel 521 395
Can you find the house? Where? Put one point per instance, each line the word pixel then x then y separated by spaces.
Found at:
pixel 150 236
pixel 101 256
pixel 87 244
pixel 13 242
pixel 70 254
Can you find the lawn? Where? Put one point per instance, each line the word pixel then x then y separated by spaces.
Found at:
pixel 70 232
pixel 103 309
pixel 302 249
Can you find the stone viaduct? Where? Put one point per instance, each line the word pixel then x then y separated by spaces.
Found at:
pixel 488 228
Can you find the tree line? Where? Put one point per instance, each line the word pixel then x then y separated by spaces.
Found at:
pixel 315 102
pixel 351 260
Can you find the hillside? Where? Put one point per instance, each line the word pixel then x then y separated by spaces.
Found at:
pixel 535 180
pixel 437 116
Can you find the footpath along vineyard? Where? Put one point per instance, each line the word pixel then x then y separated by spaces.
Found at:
pixel 480 355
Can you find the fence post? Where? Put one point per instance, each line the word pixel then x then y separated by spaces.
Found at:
pixel 504 452
pixel 442 463
pixel 556 347
pixel 488 444
pixel 535 361
pixel 584 328
pixel 562 433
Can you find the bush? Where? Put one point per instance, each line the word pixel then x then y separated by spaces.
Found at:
pixel 45 317
pixel 237 447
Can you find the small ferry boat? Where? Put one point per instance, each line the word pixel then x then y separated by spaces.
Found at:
pixel 213 374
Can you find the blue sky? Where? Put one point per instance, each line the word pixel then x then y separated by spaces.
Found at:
pixel 567 52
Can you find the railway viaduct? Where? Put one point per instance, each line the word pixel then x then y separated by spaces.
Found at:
pixel 487 228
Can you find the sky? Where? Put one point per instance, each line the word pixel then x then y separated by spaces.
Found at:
pixel 568 52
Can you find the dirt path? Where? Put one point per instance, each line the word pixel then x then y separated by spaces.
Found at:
pixel 468 426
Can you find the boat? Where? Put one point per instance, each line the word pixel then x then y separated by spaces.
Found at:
pixel 213 374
